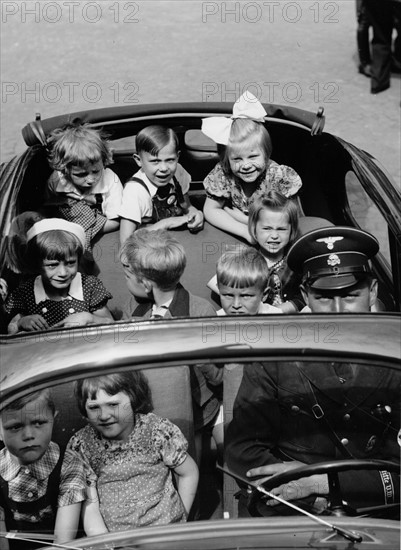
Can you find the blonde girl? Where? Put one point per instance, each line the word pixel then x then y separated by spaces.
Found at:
pixel 245 170
pixel 81 188
pixel 273 225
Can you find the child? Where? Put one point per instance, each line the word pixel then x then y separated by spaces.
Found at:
pixel 41 490
pixel 132 453
pixel 81 188
pixel 153 263
pixel 273 224
pixel 158 193
pixel 58 295
pixel 245 169
pixel 242 282
pixel 17 243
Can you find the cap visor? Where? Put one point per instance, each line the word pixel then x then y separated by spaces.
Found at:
pixel 334 282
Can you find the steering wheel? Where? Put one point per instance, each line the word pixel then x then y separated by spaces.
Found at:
pixel 332 470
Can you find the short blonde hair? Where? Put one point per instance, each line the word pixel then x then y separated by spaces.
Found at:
pixel 44 395
pixel 155 255
pixel 242 268
pixel 77 145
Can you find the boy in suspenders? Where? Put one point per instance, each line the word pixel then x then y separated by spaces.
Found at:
pixel 158 193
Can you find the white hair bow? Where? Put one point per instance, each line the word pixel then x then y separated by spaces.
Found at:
pixel 59 224
pixel 218 128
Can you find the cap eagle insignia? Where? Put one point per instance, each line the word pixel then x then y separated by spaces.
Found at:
pixel 329 241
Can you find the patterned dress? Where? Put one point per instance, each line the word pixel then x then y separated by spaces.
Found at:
pixel 134 479
pixel 86 293
pixel 91 209
pixel 219 186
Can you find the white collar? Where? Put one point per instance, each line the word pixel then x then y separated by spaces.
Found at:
pixel 65 186
pixel 161 310
pixel 151 187
pixel 75 290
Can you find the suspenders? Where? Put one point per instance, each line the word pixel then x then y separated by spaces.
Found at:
pixel 167 201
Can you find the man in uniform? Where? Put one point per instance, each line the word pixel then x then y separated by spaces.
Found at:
pixel 290 414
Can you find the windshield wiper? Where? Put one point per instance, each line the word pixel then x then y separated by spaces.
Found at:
pixel 10 535
pixel 349 535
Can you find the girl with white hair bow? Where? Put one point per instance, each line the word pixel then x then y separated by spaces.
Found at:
pixel 245 169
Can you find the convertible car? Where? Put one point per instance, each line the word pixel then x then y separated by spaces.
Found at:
pixel 166 352
pixel 342 185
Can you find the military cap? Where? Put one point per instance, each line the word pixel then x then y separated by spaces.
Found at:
pixel 333 257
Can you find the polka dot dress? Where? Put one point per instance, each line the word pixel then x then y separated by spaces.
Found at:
pixel 133 477
pixel 22 300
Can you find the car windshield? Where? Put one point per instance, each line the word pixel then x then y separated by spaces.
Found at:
pixel 241 419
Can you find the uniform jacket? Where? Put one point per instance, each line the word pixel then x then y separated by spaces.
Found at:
pixel 273 421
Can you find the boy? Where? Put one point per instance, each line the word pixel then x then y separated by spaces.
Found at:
pixel 158 193
pixel 242 283
pixel 40 490
pixel 153 263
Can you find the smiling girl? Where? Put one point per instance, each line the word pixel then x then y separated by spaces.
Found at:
pixel 81 188
pixel 59 294
pixel 131 454
pixel 245 169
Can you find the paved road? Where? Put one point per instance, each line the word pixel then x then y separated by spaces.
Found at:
pixel 67 56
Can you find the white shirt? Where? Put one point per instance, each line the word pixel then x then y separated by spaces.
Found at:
pixel 137 201
pixel 109 187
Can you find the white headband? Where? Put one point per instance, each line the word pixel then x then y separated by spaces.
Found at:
pixel 57 224
pixel 218 128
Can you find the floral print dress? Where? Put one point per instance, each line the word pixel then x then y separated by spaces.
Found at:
pixel 220 186
pixel 134 477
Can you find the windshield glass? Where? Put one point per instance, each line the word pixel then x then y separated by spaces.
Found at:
pixel 145 448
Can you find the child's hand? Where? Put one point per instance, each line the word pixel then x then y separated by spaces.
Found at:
pixel 32 322
pixel 76 319
pixel 195 220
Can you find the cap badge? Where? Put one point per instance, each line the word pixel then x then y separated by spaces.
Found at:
pixel 333 260
pixel 329 241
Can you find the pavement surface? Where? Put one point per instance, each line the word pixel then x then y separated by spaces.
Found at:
pixel 66 56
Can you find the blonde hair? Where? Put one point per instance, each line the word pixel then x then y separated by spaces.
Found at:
pixel 155 255
pixel 274 200
pixel 244 132
pixel 242 268
pixel 44 395
pixel 77 145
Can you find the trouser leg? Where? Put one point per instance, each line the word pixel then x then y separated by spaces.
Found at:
pixel 397 41
pixel 362 34
pixel 381 18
